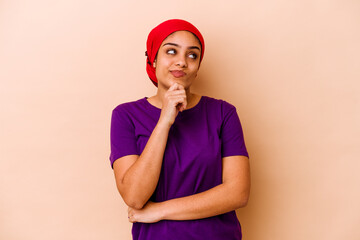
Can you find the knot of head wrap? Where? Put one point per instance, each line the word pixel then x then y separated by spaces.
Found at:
pixel 158 35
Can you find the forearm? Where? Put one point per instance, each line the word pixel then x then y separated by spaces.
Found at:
pixel 140 180
pixel 218 200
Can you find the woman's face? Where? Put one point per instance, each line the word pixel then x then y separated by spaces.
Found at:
pixel 178 59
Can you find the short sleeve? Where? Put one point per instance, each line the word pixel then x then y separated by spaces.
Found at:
pixel 232 138
pixel 122 135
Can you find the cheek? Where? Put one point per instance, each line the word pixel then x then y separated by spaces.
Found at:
pixel 162 63
pixel 161 69
pixel 195 70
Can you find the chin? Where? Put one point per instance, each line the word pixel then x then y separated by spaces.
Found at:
pixel 184 82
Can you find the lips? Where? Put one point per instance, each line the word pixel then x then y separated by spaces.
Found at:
pixel 178 73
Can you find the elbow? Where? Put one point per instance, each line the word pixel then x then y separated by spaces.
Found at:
pixel 134 204
pixel 241 201
pixel 132 201
pixel 242 197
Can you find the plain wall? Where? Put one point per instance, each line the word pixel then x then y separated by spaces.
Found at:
pixel 292 69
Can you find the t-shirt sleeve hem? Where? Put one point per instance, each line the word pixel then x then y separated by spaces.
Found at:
pixel 116 156
pixel 235 154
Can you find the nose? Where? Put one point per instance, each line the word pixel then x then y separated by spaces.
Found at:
pixel 181 61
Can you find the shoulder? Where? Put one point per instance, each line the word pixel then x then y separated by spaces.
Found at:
pixel 219 105
pixel 129 111
pixel 129 106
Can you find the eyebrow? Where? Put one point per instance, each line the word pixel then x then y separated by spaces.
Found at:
pixel 177 45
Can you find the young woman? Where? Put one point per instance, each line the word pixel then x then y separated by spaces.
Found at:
pixel 179 159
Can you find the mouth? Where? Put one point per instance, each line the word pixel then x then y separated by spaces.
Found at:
pixel 178 73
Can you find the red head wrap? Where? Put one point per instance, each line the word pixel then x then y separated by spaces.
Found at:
pixel 158 35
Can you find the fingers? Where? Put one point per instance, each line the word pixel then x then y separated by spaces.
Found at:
pixel 131 219
pixel 176 89
pixel 131 215
pixel 176 86
pixel 181 106
pixel 175 100
pixel 173 87
pixel 150 213
pixel 177 95
pixel 175 92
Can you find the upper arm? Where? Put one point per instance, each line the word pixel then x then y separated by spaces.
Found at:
pixel 122 138
pixel 235 158
pixel 236 172
pixel 231 134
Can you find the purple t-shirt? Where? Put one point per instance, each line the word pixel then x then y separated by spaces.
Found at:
pixel 198 140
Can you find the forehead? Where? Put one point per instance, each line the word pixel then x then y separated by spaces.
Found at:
pixel 185 38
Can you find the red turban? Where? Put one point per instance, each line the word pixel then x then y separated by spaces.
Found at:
pixel 158 35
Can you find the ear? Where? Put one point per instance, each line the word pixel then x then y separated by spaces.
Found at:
pixel 154 64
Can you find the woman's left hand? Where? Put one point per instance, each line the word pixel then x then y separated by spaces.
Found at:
pixel 150 213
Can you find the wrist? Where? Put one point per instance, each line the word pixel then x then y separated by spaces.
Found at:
pixel 162 210
pixel 163 125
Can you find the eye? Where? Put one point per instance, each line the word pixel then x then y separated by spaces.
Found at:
pixel 171 51
pixel 193 55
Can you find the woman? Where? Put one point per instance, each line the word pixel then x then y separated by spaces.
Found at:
pixel 179 159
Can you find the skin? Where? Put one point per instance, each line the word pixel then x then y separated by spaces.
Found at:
pixel 185 57
pixel 137 176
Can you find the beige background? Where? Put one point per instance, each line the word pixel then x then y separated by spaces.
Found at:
pixel 292 69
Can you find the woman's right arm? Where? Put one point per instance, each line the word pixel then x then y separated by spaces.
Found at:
pixel 137 176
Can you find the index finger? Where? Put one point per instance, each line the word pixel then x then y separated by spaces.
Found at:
pixel 180 87
pixel 173 87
